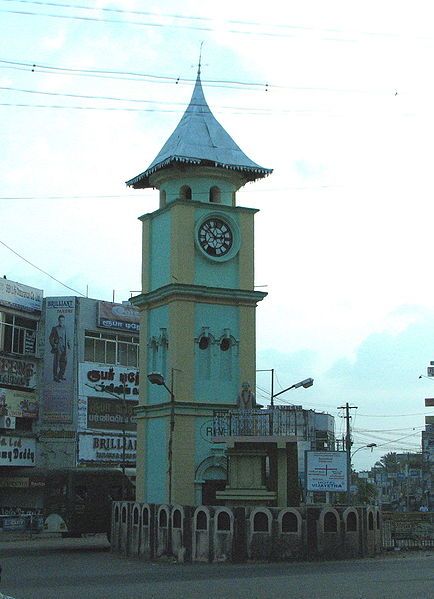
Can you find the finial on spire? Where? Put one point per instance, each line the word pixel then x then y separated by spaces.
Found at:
pixel 200 59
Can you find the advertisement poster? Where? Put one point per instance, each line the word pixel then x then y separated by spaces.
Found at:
pixel 101 380
pixel 17 372
pixel 326 470
pixel 17 451
pixel 108 449
pixel 21 404
pixel 17 295
pixel 59 359
pixel 118 316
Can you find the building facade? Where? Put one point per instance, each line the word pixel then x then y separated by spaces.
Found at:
pixel 69 382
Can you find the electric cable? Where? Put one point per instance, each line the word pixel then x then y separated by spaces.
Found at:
pixel 40 269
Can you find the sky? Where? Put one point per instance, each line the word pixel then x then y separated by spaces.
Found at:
pixel 335 96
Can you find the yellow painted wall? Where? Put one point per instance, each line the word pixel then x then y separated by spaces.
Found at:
pixel 183 460
pixel 182 244
pixel 247 345
pixel 246 254
pixel 181 348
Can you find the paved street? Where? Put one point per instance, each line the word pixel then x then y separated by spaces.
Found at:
pixel 84 568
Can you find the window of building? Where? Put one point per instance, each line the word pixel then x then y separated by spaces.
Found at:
pixel 185 192
pixel 111 348
pixel 214 195
pixel 17 334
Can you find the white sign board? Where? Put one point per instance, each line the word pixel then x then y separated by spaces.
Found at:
pixel 17 451
pixel 103 448
pixel 326 471
pixel 19 296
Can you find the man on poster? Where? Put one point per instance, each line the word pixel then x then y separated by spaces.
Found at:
pixel 59 345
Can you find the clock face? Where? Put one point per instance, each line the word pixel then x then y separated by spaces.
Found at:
pixel 215 237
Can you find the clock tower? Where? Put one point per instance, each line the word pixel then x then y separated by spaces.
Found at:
pixel 197 306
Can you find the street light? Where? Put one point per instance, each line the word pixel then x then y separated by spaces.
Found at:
pixel 305 384
pixel 350 456
pixel 156 378
pixel 368 446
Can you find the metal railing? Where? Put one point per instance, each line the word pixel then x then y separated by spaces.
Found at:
pixel 277 421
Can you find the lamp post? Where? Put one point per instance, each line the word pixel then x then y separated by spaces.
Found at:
pixel 351 455
pixel 305 384
pixel 156 378
pixel 368 446
pixel 272 382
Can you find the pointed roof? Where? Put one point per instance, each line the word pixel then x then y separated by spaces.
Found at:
pixel 200 139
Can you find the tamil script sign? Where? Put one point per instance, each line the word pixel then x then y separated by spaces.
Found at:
pixel 17 451
pixel 110 414
pixel 101 380
pixel 21 297
pixel 326 471
pixel 118 316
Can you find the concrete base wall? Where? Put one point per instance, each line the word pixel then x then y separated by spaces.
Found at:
pixel 216 534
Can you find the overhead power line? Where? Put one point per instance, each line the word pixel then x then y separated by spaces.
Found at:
pixel 40 269
pixel 200 23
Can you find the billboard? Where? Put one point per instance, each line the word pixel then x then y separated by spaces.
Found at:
pixel 21 297
pixel 326 471
pixel 21 404
pixel 17 451
pixel 59 359
pixel 118 316
pixel 18 372
pixel 108 449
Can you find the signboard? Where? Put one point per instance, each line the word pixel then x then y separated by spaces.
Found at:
pixel 22 482
pixel 20 297
pixel 59 359
pixel 21 404
pixel 108 449
pixel 429 402
pixel 17 451
pixel 123 317
pixel 326 470
pixel 430 371
pixel 17 372
pixel 429 419
pixel 101 380
pixel 108 414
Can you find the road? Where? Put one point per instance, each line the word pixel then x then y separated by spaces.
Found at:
pixel 84 568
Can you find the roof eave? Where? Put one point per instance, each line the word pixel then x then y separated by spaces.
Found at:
pixel 250 173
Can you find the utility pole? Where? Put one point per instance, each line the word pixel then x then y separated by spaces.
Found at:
pixel 347 417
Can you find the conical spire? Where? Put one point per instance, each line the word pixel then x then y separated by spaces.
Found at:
pixel 200 139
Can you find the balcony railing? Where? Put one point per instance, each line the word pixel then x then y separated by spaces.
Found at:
pixel 280 421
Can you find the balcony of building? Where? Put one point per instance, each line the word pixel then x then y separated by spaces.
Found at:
pixel 267 424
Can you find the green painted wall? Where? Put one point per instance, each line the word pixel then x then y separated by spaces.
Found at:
pixel 160 230
pixel 156 460
pixel 220 381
